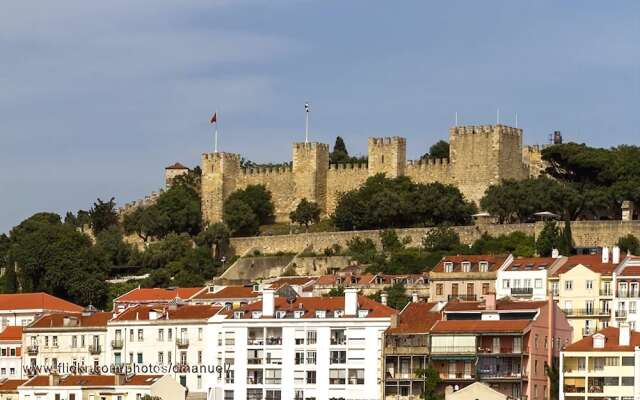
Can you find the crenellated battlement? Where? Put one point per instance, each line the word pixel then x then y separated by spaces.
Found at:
pixel 311 146
pixel 386 141
pixel 484 129
pixel 266 171
pixel 427 163
pixel 212 157
pixel 348 166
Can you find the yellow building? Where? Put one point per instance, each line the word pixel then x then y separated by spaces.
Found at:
pixel 583 289
pixel 601 366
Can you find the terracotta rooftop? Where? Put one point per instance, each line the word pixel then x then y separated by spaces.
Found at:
pixel 36 301
pixel 10 385
pixel 150 295
pixel 365 279
pixel 531 263
pixel 495 262
pixel 298 280
pixel 176 166
pixel 416 318
pixel 611 341
pixel 593 262
pixel 98 319
pixel 501 305
pixel 631 270
pixel 480 326
pixel 11 334
pixel 312 304
pixel 93 380
pixel 181 312
pixel 229 292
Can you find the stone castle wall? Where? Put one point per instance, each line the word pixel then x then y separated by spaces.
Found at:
pixel 479 156
pixel 585 234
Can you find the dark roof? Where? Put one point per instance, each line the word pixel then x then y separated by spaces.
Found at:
pixel 176 166
pixel 57 320
pixel 416 318
pixel 480 326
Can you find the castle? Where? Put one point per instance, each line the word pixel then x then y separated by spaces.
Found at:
pixel 479 156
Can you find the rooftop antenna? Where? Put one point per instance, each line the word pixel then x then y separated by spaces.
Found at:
pixel 498 117
pixel 516 120
pixel 456 118
pixel 306 122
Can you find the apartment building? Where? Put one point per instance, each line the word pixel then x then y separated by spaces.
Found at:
pixel 9 388
pixel 226 296
pixel 11 353
pixel 503 343
pixel 304 348
pixel 468 278
pixel 22 308
pixel 583 288
pixel 140 295
pixel 66 339
pixel 526 278
pixel 174 335
pixel 626 282
pixel 100 387
pixel 369 284
pixel 605 365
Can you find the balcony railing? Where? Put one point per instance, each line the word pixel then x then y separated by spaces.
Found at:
pixel 32 350
pixel 273 341
pixel 457 375
pixel 453 349
pixel 581 312
pixel 588 331
pixel 462 297
pixel 255 341
pixel 573 389
pixel 500 375
pixel 628 294
pixel 182 343
pixel 95 349
pixel 117 344
pixel 524 291
pixel 338 341
pixel 254 361
pixel 621 314
pixel 501 350
pixel 606 292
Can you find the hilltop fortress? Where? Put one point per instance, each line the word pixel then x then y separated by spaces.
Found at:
pixel 479 156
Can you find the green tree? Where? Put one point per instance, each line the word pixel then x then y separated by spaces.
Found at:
pixel 362 250
pixel 565 244
pixel 240 218
pixel 306 212
pixel 9 280
pixel 390 241
pixel 179 209
pixel 339 155
pixel 438 150
pixel 216 237
pixel 103 215
pixel 146 222
pixel 396 297
pixel 441 238
pixel 335 292
pixel 258 199
pixel 553 373
pixel 111 246
pixel 517 243
pixel 629 244
pixel 548 239
pixel 432 380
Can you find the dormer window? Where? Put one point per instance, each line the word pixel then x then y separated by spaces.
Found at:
pixel 338 313
pixel 211 289
pixel 598 341
pixel 379 280
pixel 238 314
pixel 321 313
pixel 256 314
pixel 484 266
pixel 256 288
pixel 298 314
pixel 281 314
pixel 448 266
pixel 363 313
pixel 466 266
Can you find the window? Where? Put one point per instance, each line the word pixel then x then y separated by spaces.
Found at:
pixel 311 357
pixel 169 334
pixel 74 341
pixel 299 357
pixel 439 289
pixel 485 288
pixel 228 395
pixel 140 335
pixel 466 266
pixel 626 381
pixel 160 358
pixel 54 341
pixel 338 337
pixel 505 284
pixel 160 335
pixel 568 285
pixel 588 284
pixel 312 337
pixel 200 357
pixel 272 376
pixel 627 361
pixel 131 335
pixel 311 377
pixel 200 333
pixel 527 283
pixel 271 394
pixel 298 377
pixel 484 266
pixel 448 267
pixel 140 361
pixel 356 376
pixel 338 357
pixel 337 377
pixel 538 283
pixel 632 307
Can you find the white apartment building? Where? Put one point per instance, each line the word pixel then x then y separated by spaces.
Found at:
pixel 526 278
pixel 305 348
pixel 10 353
pixel 626 284
pixel 100 387
pixel 22 308
pixel 166 335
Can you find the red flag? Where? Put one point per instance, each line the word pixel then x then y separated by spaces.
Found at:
pixel 214 118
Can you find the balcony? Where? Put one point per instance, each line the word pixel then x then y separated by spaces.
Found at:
pixel 621 314
pixel 453 349
pixel 254 361
pixel 502 351
pixel 462 297
pixel 182 343
pixel 606 292
pixel 274 341
pixel 587 312
pixel 117 344
pixel 588 331
pixel 252 341
pixel 95 349
pixel 32 350
pixel 522 292
pixel 573 389
pixel 505 375
pixel 449 376
pixel 628 294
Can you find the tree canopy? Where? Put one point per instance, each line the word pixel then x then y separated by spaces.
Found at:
pixel 440 149
pixel 340 154
pixel 306 212
pixel 246 209
pixel 103 215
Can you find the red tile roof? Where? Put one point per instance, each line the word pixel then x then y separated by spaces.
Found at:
pixel 416 318
pixel 176 166
pixel 365 279
pixel 181 312
pixel 35 301
pixel 93 380
pixel 593 262
pixel 303 280
pixel 11 334
pixel 150 295
pixel 98 319
pixel 230 292
pixel 10 385
pixel 611 341
pixel 480 326
pixel 494 262
pixel 311 304
pixel 631 270
pixel 531 263
pixel 501 305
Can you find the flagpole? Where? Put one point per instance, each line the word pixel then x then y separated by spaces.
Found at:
pixel 306 123
pixel 215 136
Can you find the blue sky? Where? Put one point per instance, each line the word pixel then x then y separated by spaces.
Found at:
pixel 97 97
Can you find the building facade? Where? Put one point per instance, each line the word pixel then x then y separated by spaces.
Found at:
pixel 22 308
pixel 11 353
pixel 526 278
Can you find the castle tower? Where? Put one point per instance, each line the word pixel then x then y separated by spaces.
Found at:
pixel 310 165
pixel 485 155
pixel 219 178
pixel 387 155
pixel 173 171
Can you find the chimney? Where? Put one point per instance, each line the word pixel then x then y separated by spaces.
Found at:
pixel 414 297
pixel 490 301
pixel 605 254
pixel 120 378
pixel 625 334
pixel 350 301
pixel 268 302
pixel 615 255
pixel 54 379
pixel 383 298
pixel 555 253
